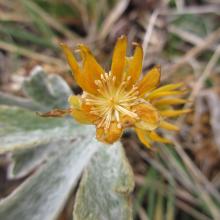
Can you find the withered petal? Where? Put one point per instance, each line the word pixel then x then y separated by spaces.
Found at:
pixel 148 115
pixel 109 136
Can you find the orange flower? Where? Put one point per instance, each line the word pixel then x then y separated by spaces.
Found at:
pixel 117 100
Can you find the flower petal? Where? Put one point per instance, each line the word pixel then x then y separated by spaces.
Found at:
pixel 127 121
pixel 155 137
pixel 90 69
pixel 174 113
pixel 81 116
pixel 170 101
pixel 166 90
pixel 150 81
pixel 135 65
pixel 74 67
pixel 144 137
pixel 119 58
pixel 169 87
pixel 79 112
pixel 156 95
pixel 109 136
pixel 149 116
pixel 168 126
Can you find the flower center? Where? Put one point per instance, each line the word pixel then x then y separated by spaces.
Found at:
pixel 113 101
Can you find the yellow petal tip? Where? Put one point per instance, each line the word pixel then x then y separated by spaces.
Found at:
pixel 135 44
pixel 63 45
pixel 122 37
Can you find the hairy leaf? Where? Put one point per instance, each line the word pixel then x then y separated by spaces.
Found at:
pixel 105 187
pixel 51 154
pixel 50 91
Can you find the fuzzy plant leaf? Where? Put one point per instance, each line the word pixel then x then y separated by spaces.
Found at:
pixel 43 195
pixel 49 91
pixel 43 91
pixel 104 191
pixel 60 157
pixel 20 129
pixel 10 100
pixel 51 154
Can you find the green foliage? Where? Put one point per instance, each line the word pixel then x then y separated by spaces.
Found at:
pixel 57 9
pixel 197 24
pixel 173 182
pixel 24 36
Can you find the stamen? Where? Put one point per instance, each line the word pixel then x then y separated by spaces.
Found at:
pixel 99 125
pixel 102 77
pixel 126 112
pixel 112 102
pixel 119 125
pixel 128 99
pixel 102 92
pixel 106 76
pixel 98 83
pixel 108 119
pixel 120 88
pixel 98 102
pixel 117 117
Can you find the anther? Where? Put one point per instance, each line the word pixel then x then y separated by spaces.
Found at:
pixel 84 95
pixel 102 77
pixel 119 125
pixel 98 82
pixel 106 75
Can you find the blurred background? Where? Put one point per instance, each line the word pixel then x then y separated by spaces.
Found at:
pixel 182 36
